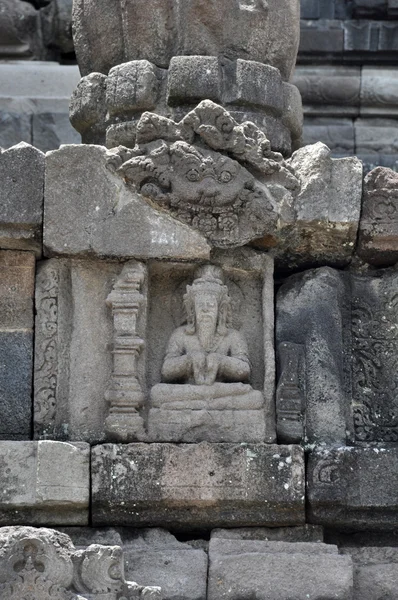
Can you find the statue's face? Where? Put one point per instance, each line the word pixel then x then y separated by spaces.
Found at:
pixel 206 308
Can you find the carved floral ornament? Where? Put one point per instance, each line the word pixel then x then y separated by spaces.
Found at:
pixel 210 172
pixel 43 564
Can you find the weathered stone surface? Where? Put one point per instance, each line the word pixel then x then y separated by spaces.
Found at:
pixel 304 533
pixel 375 572
pixel 243 568
pixel 379 91
pixel 21 198
pixel 266 32
pixel 216 368
pixel 193 78
pixel 329 90
pixel 44 483
pixel 344 323
pixel 102 217
pixel 43 563
pixel 378 229
pixel 19 24
pixel 17 271
pixel 208 171
pixel 107 109
pixel 328 206
pixel 337 133
pixel 73 332
pixel 131 87
pixel 355 488
pixel 154 556
pixel 198 485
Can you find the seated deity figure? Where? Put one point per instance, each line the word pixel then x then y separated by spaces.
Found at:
pixel 207 361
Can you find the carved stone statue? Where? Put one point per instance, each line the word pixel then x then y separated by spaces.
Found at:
pixel 206 359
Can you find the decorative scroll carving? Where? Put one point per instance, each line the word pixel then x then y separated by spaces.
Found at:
pixel 125 393
pixel 46 354
pixel 42 563
pixel 209 172
pixel 375 367
pixel 289 395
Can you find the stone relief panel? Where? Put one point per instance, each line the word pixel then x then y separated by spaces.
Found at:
pixel 208 171
pixel 195 364
pixel 345 325
pixel 43 563
pixel 210 367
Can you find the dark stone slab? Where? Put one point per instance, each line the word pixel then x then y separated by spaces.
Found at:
pixel 15 385
pixel 355 488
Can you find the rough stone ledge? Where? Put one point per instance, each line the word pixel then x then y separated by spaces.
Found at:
pixel 200 485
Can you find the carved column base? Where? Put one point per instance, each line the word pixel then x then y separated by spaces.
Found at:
pixel 125 427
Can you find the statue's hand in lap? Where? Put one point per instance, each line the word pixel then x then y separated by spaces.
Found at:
pixel 198 361
pixel 214 361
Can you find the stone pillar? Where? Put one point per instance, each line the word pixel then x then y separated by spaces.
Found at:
pixel 125 393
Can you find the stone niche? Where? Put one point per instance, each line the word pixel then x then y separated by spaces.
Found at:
pixel 232 399
pixel 105 333
pixel 337 338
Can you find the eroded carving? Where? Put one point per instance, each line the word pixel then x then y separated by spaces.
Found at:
pixel 375 367
pixel 210 172
pixel 290 402
pixel 125 393
pixel 42 563
pixel 207 361
pixel 46 357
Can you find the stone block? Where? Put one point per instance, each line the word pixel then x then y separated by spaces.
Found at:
pixel 273 569
pixel 353 488
pixel 51 130
pixel 327 206
pixel 379 91
pixel 17 271
pixel 21 198
pixel 154 555
pixel 44 483
pixel 197 485
pixel 40 87
pixel 378 229
pixel 329 90
pixel 376 136
pixel 321 37
pixel 70 302
pixel 304 533
pixel 131 87
pixel 103 217
pixel 192 79
pixel 87 108
pixel 375 572
pixel 258 85
pixel 343 323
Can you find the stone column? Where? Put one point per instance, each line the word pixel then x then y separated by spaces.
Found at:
pixel 125 393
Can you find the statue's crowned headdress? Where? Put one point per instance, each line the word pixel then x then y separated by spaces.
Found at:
pixel 208 279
